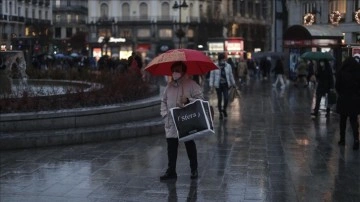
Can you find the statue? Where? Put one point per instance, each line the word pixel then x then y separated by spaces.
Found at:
pixel 12 65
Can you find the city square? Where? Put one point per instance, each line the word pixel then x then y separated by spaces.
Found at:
pixel 267 149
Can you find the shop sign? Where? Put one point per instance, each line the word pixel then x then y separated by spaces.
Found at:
pixel 143 47
pixel 216 46
pixel 297 42
pixel 112 39
pixel 234 45
pixel 324 42
pixel 355 50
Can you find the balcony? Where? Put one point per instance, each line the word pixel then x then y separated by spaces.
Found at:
pixel 29 21
pixel 76 9
pixel 68 22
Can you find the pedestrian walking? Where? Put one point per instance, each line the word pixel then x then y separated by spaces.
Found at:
pixel 222 79
pixel 265 67
pixel 325 84
pixel 243 72
pixel 301 73
pixel 348 104
pixel 279 73
pixel 311 78
pixel 178 92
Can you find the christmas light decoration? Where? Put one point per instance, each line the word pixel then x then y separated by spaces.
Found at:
pixel 309 19
pixel 335 17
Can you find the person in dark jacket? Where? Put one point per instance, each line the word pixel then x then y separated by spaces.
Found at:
pixel 325 80
pixel 279 72
pixel 348 103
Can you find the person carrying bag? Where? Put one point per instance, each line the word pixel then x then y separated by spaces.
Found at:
pixel 180 91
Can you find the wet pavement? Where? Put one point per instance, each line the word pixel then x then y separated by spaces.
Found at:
pixel 268 149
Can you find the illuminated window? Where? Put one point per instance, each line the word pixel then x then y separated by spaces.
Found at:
pixel 142 33
pixel 165 33
pixel 337 5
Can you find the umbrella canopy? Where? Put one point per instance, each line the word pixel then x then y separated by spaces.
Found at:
pixel 75 55
pixel 196 61
pixel 59 55
pixel 317 56
pixel 275 55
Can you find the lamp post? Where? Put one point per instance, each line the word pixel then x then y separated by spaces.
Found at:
pixel 180 33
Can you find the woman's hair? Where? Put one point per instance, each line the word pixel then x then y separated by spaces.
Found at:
pixel 179 63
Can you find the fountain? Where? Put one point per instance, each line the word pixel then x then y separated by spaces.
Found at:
pixel 68 126
pixel 14 81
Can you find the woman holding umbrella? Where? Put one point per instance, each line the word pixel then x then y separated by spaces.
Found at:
pixel 178 92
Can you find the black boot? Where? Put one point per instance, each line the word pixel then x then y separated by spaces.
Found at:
pixel 169 175
pixel 327 112
pixel 315 114
pixel 356 145
pixel 194 174
pixel 224 112
pixel 342 140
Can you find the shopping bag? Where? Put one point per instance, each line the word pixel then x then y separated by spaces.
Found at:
pixel 232 94
pixel 193 121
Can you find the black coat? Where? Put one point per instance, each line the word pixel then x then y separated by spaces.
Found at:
pixel 325 79
pixel 348 88
pixel 279 67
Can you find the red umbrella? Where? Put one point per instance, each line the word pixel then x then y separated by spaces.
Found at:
pixel 196 61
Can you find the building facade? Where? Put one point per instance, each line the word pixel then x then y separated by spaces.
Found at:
pixel 119 27
pixel 245 24
pixel 69 20
pixel 25 25
pixel 337 15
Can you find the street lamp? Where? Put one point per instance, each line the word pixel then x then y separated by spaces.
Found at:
pixel 180 33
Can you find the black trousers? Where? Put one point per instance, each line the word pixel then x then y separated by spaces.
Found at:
pixel 172 150
pixel 319 95
pixel 353 123
pixel 222 92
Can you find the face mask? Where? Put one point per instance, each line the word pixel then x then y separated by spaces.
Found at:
pixel 176 75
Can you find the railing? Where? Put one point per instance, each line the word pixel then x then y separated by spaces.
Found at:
pixel 141 18
pixel 63 20
pixel 72 8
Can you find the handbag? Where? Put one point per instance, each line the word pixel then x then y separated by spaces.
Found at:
pixel 193 121
pixel 232 94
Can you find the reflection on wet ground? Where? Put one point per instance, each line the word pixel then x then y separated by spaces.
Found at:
pixel 268 149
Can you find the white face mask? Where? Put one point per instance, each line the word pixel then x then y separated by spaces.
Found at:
pixel 176 75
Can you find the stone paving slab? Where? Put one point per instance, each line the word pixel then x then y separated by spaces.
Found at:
pixel 268 149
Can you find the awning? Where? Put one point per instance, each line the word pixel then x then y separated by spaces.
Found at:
pixel 312 36
pixel 144 47
pixel 302 32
